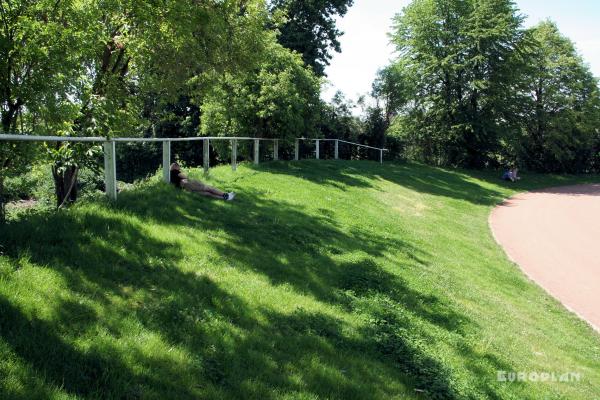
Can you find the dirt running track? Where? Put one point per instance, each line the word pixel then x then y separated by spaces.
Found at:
pixel 554 236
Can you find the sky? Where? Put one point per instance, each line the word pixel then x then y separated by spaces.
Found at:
pixel 365 44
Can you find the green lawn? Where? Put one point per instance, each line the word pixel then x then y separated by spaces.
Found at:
pixel 324 279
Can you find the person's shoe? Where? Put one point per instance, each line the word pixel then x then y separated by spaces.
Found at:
pixel 229 196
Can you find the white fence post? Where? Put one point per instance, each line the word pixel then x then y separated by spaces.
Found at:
pixel 206 154
pixel 110 170
pixel 256 151
pixel 276 150
pixel 317 149
pixel 297 150
pixel 337 148
pixel 234 154
pixel 381 156
pixel 167 161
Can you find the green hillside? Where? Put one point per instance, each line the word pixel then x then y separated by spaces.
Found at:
pixel 323 279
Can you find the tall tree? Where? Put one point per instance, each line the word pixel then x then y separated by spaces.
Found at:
pixel 391 90
pixel 310 29
pixel 562 111
pixel 37 58
pixel 462 57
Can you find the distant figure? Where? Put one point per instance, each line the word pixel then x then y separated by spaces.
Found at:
pixel 511 175
pixel 180 180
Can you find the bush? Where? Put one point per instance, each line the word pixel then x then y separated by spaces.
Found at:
pixel 36 183
pixel 28 185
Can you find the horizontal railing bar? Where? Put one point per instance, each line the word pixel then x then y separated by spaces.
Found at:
pixel 362 145
pixel 241 138
pixel 155 139
pixel 320 140
pixel 345 141
pixel 189 139
pixel 33 138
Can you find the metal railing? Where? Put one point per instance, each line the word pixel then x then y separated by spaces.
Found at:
pixel 336 149
pixel 110 160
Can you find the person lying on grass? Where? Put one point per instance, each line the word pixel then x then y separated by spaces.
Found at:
pixel 180 180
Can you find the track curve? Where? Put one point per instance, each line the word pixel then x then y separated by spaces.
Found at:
pixel 554 236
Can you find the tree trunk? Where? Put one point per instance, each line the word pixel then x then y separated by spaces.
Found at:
pixel 9 117
pixel 65 185
pixel 2 204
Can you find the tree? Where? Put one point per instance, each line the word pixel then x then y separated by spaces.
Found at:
pixel 279 99
pixel 561 116
pixel 84 67
pixel 310 29
pixel 463 57
pixel 337 120
pixel 38 62
pixel 391 91
pixel 37 59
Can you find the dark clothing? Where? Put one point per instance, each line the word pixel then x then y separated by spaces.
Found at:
pixel 176 177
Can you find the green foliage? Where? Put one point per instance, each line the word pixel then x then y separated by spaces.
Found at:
pixel 462 57
pixel 483 91
pixel 71 154
pixel 337 119
pixel 279 99
pixel 310 29
pixel 36 183
pixel 38 62
pixel 14 157
pixel 28 184
pixel 562 110
pixel 113 68
pixel 375 126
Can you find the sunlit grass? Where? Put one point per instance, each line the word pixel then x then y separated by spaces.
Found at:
pixel 322 280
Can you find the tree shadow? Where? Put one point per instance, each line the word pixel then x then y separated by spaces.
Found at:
pixel 96 372
pixel 307 262
pixel 455 184
pixel 119 267
pixel 130 273
pixel 364 279
pixel 91 249
pixel 277 239
pixel 309 355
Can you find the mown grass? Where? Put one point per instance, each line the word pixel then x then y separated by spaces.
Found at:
pixel 325 279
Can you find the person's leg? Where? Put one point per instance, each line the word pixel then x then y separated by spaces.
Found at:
pixel 200 188
pixel 213 190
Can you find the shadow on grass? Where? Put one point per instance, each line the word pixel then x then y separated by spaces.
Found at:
pixel 276 239
pixel 234 350
pixel 454 184
pixel 97 372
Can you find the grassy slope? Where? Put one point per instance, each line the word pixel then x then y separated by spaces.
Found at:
pixel 322 280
